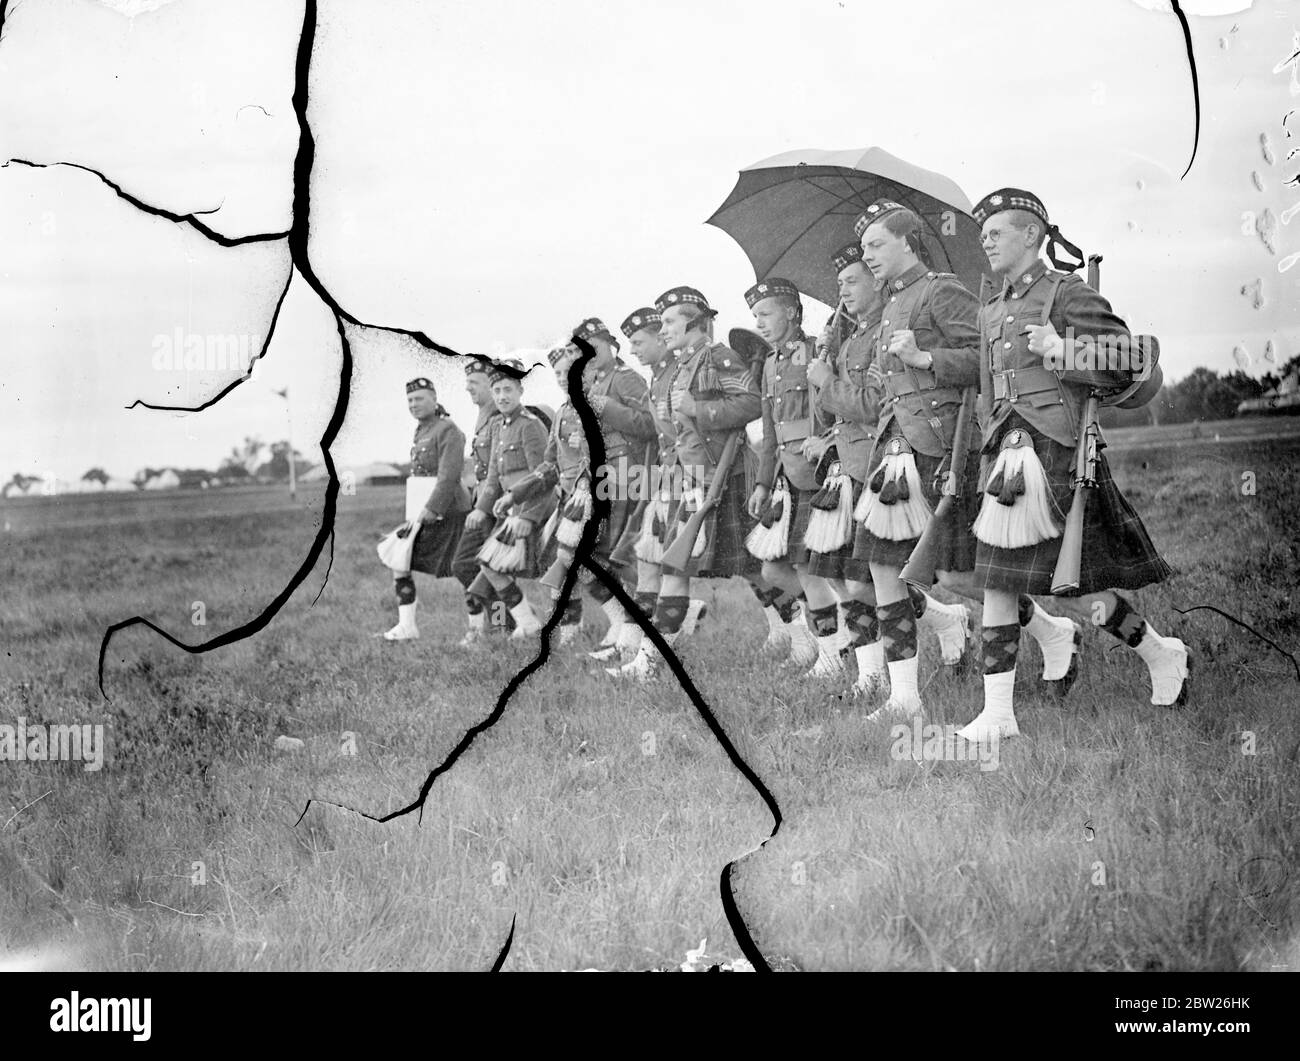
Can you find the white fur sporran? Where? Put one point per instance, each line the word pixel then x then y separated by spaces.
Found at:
pixel 772 542
pixel 893 506
pixel 1016 511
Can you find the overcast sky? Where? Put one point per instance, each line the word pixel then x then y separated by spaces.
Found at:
pixel 492 172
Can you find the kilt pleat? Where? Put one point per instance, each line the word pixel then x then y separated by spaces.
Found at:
pixel 725 529
pixel 464 565
pixel 436 544
pixel 800 502
pixel 956 546
pixel 1117 550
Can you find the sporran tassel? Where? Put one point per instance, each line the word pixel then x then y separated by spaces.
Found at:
pixel 831 522
pixel 650 542
pixel 897 510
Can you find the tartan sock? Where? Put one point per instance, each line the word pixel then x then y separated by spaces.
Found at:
pixel 787 606
pixel 572 612
pixel 1024 609
pixel 823 621
pixel 405 587
pixel 511 595
pixel 860 617
pixel 600 592
pixel 1001 644
pixel 669 614
pixel 897 629
pixel 645 601
pixel 1125 624
pixel 918 599
pixel 766 597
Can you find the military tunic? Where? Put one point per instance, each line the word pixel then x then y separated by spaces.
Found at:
pixel 518 447
pixel 726 399
pixel 438 449
pixel 1117 550
pixel 921 405
pixel 656 477
pixel 465 564
pixel 628 430
pixel 851 398
pixel 789 419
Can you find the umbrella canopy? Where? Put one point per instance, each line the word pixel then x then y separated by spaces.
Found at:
pixel 791 212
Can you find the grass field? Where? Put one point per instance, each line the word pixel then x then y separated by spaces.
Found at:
pixel 1113 835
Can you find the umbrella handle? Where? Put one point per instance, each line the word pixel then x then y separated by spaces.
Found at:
pixel 839 312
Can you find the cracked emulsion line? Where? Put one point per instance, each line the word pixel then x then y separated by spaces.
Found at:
pixel 299 259
pixel 157 211
pixel 1196 85
pixel 1233 619
pixel 583 553
pixel 297 238
pixel 738 927
pixel 275 317
pixel 587 542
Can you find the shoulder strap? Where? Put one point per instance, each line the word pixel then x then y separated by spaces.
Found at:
pixel 1057 280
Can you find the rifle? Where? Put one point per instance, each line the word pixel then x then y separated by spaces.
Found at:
pixel 919 569
pixel 678 555
pixel 1066 576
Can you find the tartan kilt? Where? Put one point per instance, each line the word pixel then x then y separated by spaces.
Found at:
pixel 436 544
pixel 464 565
pixel 613 529
pixel 956 547
pixel 796 552
pixel 612 532
pixel 623 552
pixel 840 565
pixel 725 528
pixel 1117 550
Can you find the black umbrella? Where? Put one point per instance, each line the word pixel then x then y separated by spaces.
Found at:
pixel 791 212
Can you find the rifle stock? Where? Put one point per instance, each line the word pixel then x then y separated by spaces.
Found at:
pixel 678 555
pixel 1065 578
pixel 920 566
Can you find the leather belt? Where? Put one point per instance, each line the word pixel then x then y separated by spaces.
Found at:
pixel 793 430
pixel 1014 382
pixel 899 383
pixel 919 381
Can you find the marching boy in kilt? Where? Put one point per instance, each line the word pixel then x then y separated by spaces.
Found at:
pixel 465 564
pixel 787 479
pixel 438 449
pixel 1037 402
pixel 618 395
pixel 621 401
pixel 926 350
pixel 641 544
pixel 848 394
pixel 711 396
pixel 513 547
